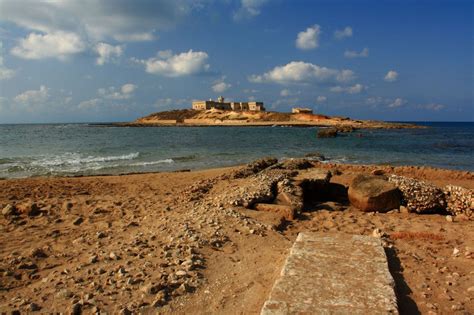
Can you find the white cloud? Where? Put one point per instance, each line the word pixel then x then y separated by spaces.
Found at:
pixel 249 9
pixel 107 53
pixel 398 102
pixel 97 20
pixel 391 76
pixel 31 97
pixel 302 72
pixel 52 45
pixel 354 54
pixel 309 39
pixel 432 106
pixel 285 92
pixel 89 104
pixel 374 100
pixel 183 64
pixel 220 87
pixel 321 99
pixel 124 93
pixel 355 89
pixel 341 34
pixel 170 102
pixel 5 73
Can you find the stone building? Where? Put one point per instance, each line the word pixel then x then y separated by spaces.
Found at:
pixel 222 105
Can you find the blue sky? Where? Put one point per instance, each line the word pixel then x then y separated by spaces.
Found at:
pixel 116 60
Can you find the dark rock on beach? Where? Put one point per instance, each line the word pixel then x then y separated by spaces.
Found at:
pixel 327 133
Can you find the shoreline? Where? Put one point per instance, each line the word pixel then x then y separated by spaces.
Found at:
pixel 322 164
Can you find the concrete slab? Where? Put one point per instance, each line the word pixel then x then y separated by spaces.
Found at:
pixel 333 274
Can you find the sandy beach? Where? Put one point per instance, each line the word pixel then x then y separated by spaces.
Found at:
pixel 175 243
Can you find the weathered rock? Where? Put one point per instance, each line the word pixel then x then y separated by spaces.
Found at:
pixel 9 210
pixel 255 167
pixel 296 164
pixel 327 133
pixel 460 201
pixel 29 208
pixel 419 196
pixel 285 211
pixel 373 193
pixel 315 156
pixel 78 221
pixel 333 274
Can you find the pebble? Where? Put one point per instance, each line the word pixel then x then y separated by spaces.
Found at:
pixel 114 256
pixel 455 251
pixel 78 221
pixel 33 307
pixel 449 218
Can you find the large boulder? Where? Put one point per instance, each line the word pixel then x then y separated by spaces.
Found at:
pixel 373 193
pixel 419 196
pixel 460 200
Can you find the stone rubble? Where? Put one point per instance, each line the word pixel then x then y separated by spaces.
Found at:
pixel 460 201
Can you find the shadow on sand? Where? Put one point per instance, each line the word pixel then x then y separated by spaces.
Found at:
pixel 406 305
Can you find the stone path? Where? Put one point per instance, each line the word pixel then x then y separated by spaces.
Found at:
pixel 333 274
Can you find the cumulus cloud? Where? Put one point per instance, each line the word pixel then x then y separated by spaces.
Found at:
pixel 249 9
pixel 5 73
pixel 354 54
pixel 112 93
pixel 33 96
pixel 398 102
pixel 308 39
pixel 183 64
pixel 107 53
pixel 344 33
pixel 53 45
pixel 220 87
pixel 321 99
pixel 391 76
pixel 89 104
pixel 355 89
pixel 302 72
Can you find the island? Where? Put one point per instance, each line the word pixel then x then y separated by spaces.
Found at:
pixel 245 114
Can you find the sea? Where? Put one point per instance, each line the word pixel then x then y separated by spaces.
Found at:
pixel 29 150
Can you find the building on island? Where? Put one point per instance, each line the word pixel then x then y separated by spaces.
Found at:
pixel 222 105
pixel 299 110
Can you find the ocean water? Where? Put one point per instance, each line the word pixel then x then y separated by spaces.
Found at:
pixel 83 149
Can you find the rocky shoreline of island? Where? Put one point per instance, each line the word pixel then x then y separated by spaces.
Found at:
pixel 226 118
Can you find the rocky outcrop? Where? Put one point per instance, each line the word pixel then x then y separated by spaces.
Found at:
pixel 254 167
pixel 460 200
pixel 327 133
pixel 373 193
pixel 295 164
pixel 419 196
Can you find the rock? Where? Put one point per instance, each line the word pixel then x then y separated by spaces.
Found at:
pixel 9 210
pixel 114 256
pixel 38 253
pixel 373 193
pixel 151 289
pixel 67 206
pixel 255 167
pixel 93 259
pixel 327 133
pixel 378 172
pixel 315 156
pixel 125 311
pixel 30 208
pixel 160 299
pixel 419 196
pixel 449 218
pixel 345 128
pixel 78 221
pixel 76 309
pixel 285 211
pixel 296 164
pixel 181 273
pixel 460 200
pixel 33 307
pixel 404 209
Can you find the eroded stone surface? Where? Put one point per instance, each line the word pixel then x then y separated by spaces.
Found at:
pixel 334 274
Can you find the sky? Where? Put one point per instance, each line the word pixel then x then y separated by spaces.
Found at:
pixel 117 60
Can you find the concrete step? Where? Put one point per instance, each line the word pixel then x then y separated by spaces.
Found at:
pixel 333 274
